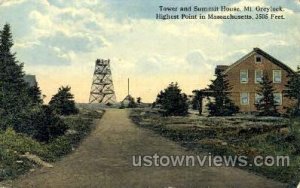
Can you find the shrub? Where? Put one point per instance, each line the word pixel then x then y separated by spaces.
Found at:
pixel 295 135
pixel 172 101
pixel 228 109
pixel 41 123
pixel 9 167
pixel 19 143
pixel 62 102
pixel 132 103
pixel 59 147
pixel 12 145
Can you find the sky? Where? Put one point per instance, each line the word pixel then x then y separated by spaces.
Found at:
pixel 59 41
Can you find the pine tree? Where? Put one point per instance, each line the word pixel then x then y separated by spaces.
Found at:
pixel 222 104
pixel 63 102
pixel 35 95
pixel 266 105
pixel 173 101
pixel 13 97
pixel 292 91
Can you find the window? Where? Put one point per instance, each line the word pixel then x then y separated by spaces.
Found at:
pixel 258 76
pixel 276 76
pixel 258 97
pixel 278 98
pixel 244 98
pixel 258 59
pixel 244 76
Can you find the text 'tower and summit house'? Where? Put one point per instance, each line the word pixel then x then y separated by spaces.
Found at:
pixel 245 75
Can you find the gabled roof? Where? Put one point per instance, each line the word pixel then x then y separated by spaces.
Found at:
pixel 265 55
pixel 127 98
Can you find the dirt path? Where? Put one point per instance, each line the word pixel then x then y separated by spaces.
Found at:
pixel 104 159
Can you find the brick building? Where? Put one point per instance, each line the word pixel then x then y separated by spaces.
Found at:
pixel 245 74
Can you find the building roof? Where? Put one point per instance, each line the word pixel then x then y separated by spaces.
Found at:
pixel 265 55
pixel 127 98
pixel 31 80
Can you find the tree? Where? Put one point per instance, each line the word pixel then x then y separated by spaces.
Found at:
pixel 222 104
pixel 35 94
pixel 292 91
pixel 139 100
pixel 41 123
pixel 132 103
pixel 197 101
pixel 266 105
pixel 13 89
pixel 172 101
pixel 21 105
pixel 63 102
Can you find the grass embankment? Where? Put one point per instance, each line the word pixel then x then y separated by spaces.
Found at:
pixel 13 146
pixel 233 136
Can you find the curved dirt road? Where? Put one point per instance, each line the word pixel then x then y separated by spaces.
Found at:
pixel 104 159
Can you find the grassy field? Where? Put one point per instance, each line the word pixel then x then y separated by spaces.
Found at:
pixel 14 146
pixel 228 136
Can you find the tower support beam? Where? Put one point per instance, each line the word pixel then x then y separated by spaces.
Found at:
pixel 102 90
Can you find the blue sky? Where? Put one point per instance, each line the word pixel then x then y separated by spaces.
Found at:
pixel 59 41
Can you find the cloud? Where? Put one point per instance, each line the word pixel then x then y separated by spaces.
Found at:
pixel 78 43
pixel 44 55
pixel 292 5
pixel 198 62
pixel 50 33
pixel 141 9
pixel 74 3
pixel 17 14
pixel 259 26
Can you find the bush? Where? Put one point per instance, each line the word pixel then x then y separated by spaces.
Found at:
pixel 172 101
pixel 12 145
pixel 132 103
pixel 59 147
pixel 295 135
pixel 93 114
pixel 228 109
pixel 80 125
pixel 9 167
pixel 41 123
pixel 19 143
pixel 62 102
